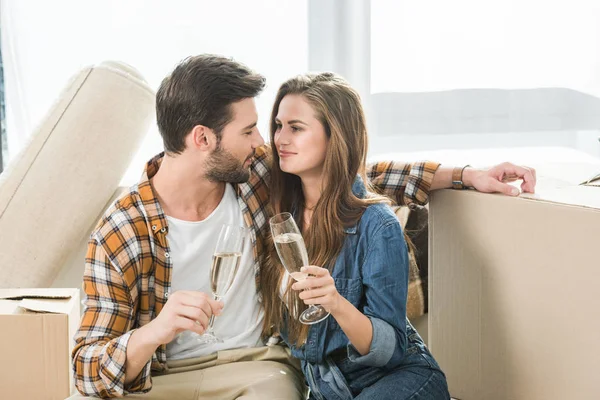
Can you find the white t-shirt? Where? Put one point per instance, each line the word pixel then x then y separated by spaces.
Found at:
pixel 192 246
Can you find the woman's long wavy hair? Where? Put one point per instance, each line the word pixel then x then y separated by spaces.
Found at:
pixel 338 107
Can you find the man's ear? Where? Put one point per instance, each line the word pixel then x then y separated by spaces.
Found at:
pixel 202 138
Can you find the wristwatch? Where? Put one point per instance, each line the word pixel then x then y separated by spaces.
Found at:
pixel 457 178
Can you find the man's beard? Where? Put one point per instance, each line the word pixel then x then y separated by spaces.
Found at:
pixel 222 166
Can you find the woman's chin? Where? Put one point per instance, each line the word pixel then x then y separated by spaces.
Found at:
pixel 285 167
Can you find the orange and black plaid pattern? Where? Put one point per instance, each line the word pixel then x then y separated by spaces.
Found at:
pixel 407 184
pixel 128 268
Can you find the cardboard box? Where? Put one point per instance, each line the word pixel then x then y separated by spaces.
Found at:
pixel 513 285
pixel 37 328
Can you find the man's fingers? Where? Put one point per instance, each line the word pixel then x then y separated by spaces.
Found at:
pixel 513 172
pixel 529 181
pixel 505 188
pixel 187 324
pixel 201 300
pixel 216 306
pixel 195 314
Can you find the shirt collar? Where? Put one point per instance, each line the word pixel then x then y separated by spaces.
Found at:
pixel 156 215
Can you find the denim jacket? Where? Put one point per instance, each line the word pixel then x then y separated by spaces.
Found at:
pixel 371 272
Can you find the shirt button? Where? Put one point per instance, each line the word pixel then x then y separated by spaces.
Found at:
pixel 167 255
pixel 163 230
pixel 167 294
pixel 311 342
pixel 153 227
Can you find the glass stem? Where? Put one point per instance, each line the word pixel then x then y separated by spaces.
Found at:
pixel 211 321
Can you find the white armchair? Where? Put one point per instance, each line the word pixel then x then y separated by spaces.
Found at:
pixel 52 194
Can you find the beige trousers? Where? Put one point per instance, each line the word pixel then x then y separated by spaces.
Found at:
pixel 255 373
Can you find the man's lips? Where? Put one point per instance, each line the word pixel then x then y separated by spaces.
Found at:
pixel 249 159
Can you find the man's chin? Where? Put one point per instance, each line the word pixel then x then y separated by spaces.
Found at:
pixel 241 178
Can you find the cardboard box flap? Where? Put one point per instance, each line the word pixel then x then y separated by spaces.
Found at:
pixel 57 306
pixel 20 301
pixel 40 293
pixel 576 184
pixel 8 307
pixel 583 196
pixel 568 173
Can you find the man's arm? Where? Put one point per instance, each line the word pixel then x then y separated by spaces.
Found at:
pixel 406 183
pixel 411 183
pixel 185 310
pixel 110 359
pixel 101 343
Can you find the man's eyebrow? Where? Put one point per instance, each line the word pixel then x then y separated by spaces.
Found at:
pixel 252 125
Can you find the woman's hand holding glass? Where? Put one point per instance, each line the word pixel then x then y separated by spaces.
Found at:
pixel 318 288
pixel 293 255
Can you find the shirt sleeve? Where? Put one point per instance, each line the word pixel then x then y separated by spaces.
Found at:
pixel 100 352
pixel 407 183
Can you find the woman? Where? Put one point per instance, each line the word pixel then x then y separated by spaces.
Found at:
pixel 366 349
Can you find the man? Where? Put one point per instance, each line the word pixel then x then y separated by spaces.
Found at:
pixel 147 267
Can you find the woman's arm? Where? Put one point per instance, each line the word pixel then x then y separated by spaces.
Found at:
pixel 321 290
pixel 378 333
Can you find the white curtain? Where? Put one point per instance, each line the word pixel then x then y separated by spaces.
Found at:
pixel 45 42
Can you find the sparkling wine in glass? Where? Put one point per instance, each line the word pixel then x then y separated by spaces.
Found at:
pixel 226 262
pixel 293 255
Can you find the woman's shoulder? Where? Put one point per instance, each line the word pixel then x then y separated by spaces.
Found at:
pixel 377 216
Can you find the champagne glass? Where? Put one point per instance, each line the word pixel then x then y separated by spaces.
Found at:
pixel 293 255
pixel 226 261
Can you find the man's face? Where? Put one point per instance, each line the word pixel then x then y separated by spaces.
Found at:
pixel 230 161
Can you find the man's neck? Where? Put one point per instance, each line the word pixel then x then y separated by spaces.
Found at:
pixel 184 192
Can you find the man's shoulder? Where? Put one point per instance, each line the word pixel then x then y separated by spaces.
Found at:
pixel 260 172
pixel 263 151
pixel 125 218
pixel 263 157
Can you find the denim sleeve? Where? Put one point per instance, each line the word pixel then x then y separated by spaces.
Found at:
pixel 385 280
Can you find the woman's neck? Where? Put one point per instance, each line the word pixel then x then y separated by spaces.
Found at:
pixel 312 189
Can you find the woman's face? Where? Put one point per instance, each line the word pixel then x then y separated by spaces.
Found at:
pixel 300 138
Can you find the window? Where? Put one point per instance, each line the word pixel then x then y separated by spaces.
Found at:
pixel 47 42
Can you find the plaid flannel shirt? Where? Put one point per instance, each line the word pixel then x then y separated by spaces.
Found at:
pixel 128 268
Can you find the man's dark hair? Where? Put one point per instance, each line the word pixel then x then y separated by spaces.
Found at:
pixel 200 91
